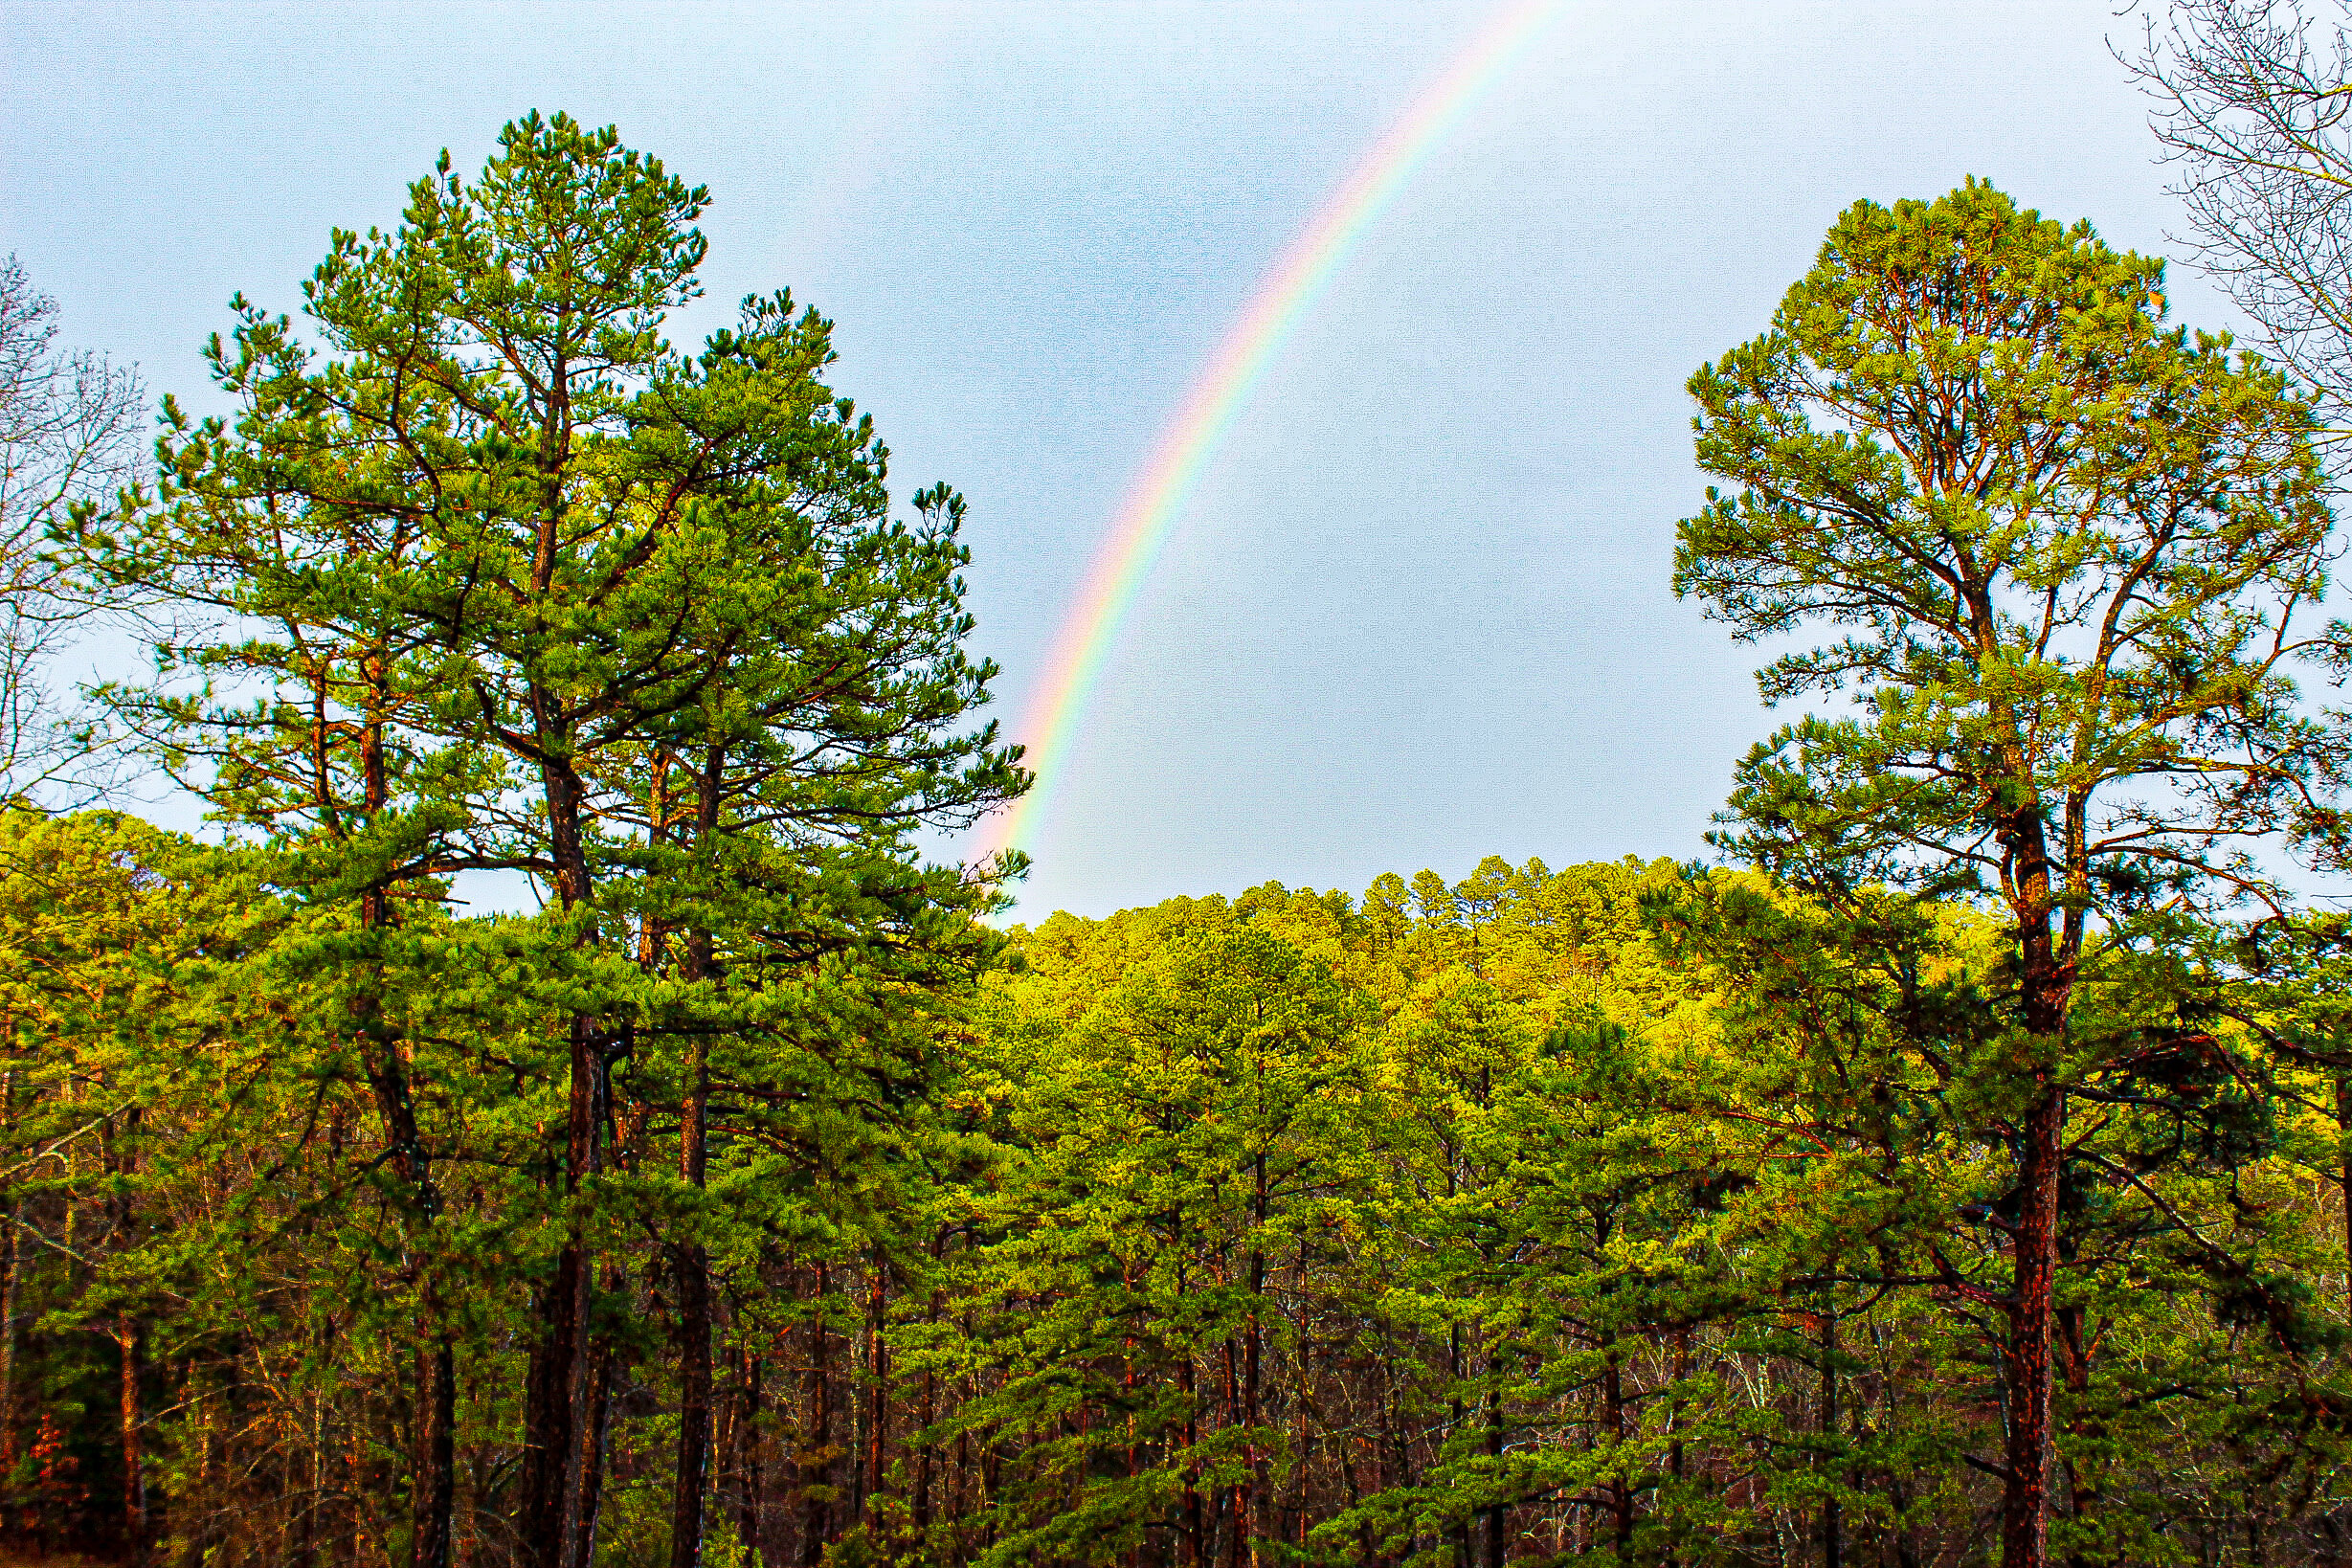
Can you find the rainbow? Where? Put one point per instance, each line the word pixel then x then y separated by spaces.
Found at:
pixel 1186 448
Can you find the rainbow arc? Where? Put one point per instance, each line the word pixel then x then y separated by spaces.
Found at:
pixel 1249 347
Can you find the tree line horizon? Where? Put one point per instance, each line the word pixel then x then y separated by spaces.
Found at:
pixel 1953 1169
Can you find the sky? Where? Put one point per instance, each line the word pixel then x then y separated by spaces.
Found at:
pixel 1416 610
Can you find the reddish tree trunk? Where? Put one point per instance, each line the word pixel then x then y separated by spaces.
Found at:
pixel 436 1453
pixel 1620 1491
pixel 692 1485
pixel 877 1401
pixel 554 1476
pixel 382 1059
pixel 134 1461
pixel 596 1427
pixel 2046 976
pixel 1499 1514
pixel 817 1452
pixel 2343 1134
pixel 2024 1518
pixel 1832 1522
pixel 555 1479
pixel 1195 1543
pixel 748 1476
pixel 8 1319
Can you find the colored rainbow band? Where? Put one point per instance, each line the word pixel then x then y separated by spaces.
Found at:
pixel 1084 643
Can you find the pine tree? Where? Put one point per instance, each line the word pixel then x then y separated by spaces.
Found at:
pixel 2065 545
pixel 545 594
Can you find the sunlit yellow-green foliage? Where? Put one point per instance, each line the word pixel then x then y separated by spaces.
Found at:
pixel 1626 1209
pixel 1635 1211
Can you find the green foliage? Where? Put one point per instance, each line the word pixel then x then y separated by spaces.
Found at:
pixel 2066 546
pixel 2064 541
pixel 483 576
pixel 1620 1212
pixel 752 1202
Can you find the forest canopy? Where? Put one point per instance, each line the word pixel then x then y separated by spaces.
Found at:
pixel 1951 1170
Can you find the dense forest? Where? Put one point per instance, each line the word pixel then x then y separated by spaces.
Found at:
pixel 1951 1169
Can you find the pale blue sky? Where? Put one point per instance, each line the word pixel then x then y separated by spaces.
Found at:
pixel 1417 612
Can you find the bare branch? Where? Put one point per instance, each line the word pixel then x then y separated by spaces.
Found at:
pixel 2252 103
pixel 68 428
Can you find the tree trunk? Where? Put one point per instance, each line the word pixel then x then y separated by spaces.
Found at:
pixel 1499 1514
pixel 1195 1542
pixel 436 1453
pixel 816 1451
pixel 692 1488
pixel 1620 1488
pixel 434 1486
pixel 1235 1493
pixel 555 1482
pixel 2045 965
pixel 2343 1137
pixel 2025 1515
pixel 7 1328
pixel 314 1493
pixel 1455 1367
pixel 121 1161
pixel 1130 1458
pixel 596 1427
pixel 554 1476
pixel 689 1500
pixel 134 1463
pixel 2082 1478
pixel 1252 1497
pixel 748 1476
pixel 924 1415
pixel 930 1410
pixel 550 1403
pixel 434 1489
pixel 1833 1524
pixel 694 1330
pixel 962 1477
pixel 876 1400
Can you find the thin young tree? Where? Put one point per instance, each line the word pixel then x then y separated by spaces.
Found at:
pixel 2066 546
